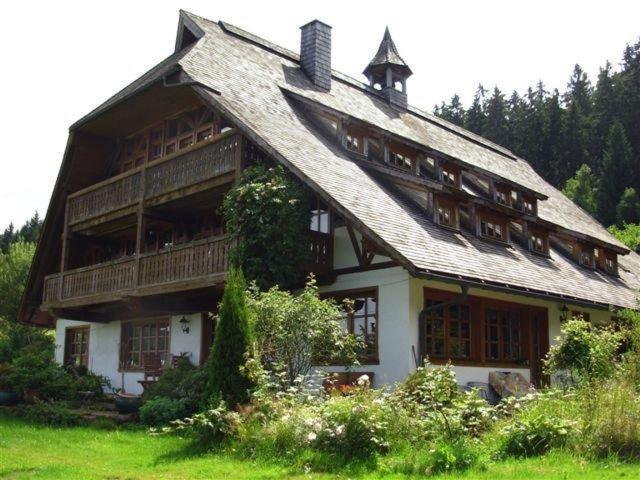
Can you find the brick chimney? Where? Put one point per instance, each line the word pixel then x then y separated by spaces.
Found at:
pixel 315 53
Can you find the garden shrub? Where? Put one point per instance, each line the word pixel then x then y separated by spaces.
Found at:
pixel 52 414
pixel 208 427
pixel 432 387
pixel 162 410
pixel 532 435
pixel 449 456
pixel 183 382
pixel 586 353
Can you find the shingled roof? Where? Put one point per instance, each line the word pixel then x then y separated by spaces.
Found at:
pixel 256 83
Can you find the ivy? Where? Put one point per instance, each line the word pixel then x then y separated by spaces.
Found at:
pixel 267 215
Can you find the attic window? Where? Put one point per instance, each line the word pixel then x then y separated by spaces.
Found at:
pixel 503 195
pixel 529 205
pixel 539 242
pixel 607 261
pixel 493 227
pixel 446 213
pixel 451 175
pixel 354 140
pixel 401 156
pixel 586 256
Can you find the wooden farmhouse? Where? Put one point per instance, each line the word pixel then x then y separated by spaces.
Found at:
pixel 451 246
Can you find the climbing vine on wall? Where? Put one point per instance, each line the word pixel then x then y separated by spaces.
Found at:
pixel 267 213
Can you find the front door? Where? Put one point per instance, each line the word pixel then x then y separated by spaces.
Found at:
pixel 208 335
pixel 539 324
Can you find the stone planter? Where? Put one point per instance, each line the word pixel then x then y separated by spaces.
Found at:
pixel 128 403
pixel 9 399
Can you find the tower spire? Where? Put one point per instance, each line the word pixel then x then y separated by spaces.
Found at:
pixel 387 69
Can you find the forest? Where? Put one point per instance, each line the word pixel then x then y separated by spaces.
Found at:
pixel 584 141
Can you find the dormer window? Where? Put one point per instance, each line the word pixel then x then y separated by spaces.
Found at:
pixel 446 213
pixel 401 156
pixel 503 195
pixel 493 227
pixel 451 175
pixel 529 205
pixel 539 242
pixel 355 143
pixel 585 255
pixel 607 261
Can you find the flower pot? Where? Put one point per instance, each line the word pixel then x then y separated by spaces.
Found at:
pixel 128 403
pixel 9 399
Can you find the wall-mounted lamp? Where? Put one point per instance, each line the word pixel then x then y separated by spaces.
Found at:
pixel 564 312
pixel 184 323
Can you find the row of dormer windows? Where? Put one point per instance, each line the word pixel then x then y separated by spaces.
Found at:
pixel 447 212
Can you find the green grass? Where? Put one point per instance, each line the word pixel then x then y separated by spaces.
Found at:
pixel 31 451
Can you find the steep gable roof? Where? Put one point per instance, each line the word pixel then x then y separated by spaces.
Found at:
pixel 256 83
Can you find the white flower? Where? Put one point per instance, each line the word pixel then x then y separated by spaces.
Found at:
pixel 339 430
pixel 311 437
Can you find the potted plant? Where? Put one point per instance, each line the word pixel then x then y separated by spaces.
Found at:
pixel 8 396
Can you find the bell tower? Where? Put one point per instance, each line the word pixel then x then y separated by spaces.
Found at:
pixel 388 72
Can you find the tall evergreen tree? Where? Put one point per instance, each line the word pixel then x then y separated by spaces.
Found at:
pixel 495 126
pixel 616 162
pixel 551 138
pixel 453 111
pixel 583 189
pixel 231 345
pixel 474 120
pixel 604 112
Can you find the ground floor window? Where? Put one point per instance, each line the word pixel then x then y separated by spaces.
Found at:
pixel 479 331
pixel 360 317
pixel 76 346
pixel 140 339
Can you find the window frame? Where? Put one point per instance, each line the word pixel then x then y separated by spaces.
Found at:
pixel 453 206
pixel 124 361
pixel 449 170
pixel 477 328
pixel 495 220
pixel 543 236
pixel 604 256
pixel 85 331
pixel 339 296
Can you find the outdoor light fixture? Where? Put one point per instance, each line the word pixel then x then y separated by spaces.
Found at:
pixel 564 312
pixel 184 322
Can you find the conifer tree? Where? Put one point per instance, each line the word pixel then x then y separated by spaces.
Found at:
pixel 616 163
pixel 583 189
pixel 227 381
pixel 474 120
pixel 628 209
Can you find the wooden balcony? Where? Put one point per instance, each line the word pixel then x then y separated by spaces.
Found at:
pixel 193 265
pixel 192 166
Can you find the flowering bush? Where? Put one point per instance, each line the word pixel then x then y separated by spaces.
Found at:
pixel 207 428
pixel 534 435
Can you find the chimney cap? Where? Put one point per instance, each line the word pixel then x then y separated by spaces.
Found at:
pixel 315 21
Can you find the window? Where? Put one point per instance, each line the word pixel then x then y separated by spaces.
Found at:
pixel 503 336
pixel 451 175
pixel 361 319
pixel 140 338
pixel 539 242
pixel 503 195
pixel 529 205
pixel 76 346
pixel 354 140
pixel 399 160
pixel 586 256
pixel 447 331
pixel 320 216
pixel 447 213
pixel 607 261
pixel 493 228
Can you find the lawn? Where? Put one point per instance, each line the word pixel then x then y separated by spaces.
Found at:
pixel 30 451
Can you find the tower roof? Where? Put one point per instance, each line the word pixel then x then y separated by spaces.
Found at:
pixel 387 55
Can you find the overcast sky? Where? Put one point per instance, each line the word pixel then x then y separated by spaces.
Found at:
pixel 61 59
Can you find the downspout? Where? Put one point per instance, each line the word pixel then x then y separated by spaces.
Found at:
pixel 458 299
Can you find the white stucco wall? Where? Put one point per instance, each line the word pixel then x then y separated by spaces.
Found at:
pixel 343 254
pixel 104 347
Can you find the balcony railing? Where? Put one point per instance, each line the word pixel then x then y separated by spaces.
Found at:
pixel 191 261
pixel 191 166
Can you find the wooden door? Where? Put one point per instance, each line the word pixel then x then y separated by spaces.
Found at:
pixel 539 324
